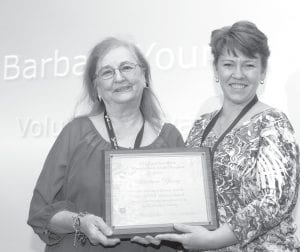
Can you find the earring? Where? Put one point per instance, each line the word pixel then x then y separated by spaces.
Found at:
pixel 262 82
pixel 146 84
pixel 217 79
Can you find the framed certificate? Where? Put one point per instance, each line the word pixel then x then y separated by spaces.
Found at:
pixel 147 191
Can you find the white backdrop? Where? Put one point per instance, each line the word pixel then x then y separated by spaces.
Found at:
pixel 43 49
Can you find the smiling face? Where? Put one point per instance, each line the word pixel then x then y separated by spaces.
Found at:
pixel 239 76
pixel 125 86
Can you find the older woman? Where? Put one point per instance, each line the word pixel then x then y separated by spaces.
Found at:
pixel 255 157
pixel 68 202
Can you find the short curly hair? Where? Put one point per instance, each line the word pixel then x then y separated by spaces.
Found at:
pixel 242 36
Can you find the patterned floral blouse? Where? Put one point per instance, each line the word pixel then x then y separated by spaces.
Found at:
pixel 256 169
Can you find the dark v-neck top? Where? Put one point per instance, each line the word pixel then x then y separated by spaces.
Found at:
pixel 73 179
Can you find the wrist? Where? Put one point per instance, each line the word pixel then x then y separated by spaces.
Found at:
pixel 211 239
pixel 79 236
pixel 222 237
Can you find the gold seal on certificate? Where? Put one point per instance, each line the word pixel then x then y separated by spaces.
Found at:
pixel 147 191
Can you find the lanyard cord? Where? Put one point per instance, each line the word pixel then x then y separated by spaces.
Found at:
pixel 236 120
pixel 113 138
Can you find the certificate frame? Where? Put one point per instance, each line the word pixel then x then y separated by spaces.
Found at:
pixel 120 162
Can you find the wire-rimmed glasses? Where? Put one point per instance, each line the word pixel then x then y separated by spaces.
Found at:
pixel 125 68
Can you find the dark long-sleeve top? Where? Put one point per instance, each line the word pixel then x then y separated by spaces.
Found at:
pixel 73 179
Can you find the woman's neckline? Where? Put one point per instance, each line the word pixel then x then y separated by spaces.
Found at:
pixel 121 147
pixel 244 124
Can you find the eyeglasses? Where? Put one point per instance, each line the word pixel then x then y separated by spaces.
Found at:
pixel 125 68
